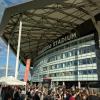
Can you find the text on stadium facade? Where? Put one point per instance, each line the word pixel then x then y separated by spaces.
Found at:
pixel 60 41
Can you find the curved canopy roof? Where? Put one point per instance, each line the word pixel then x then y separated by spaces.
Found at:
pixel 44 21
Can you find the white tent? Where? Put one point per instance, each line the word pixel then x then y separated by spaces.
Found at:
pixel 10 80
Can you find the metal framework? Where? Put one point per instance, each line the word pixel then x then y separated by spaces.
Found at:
pixel 44 25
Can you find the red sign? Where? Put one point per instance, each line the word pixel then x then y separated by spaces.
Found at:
pixel 28 61
pixel 47 80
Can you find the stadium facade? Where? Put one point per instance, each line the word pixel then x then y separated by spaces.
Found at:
pixel 71 61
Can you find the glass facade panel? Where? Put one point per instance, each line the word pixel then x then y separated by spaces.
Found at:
pixel 55 66
pixel 52 58
pixel 60 65
pixel 74 62
pixel 94 71
pixel 76 72
pixel 66 54
pixel 68 64
pixel 50 67
pixel 94 59
pixel 87 72
pixel 44 68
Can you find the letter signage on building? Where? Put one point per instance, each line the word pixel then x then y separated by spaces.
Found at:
pixel 61 40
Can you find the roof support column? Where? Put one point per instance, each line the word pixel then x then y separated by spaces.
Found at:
pixel 7 63
pixel 18 50
pixel 95 23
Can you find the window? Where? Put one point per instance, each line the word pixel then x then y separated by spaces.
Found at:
pixel 87 49
pixel 44 75
pixel 66 54
pixel 72 53
pixel 41 76
pixel 50 75
pixel 72 63
pixel 84 72
pixel 94 71
pixel 68 64
pixel 89 61
pixel 44 68
pixel 92 48
pixel 94 59
pixel 80 51
pixel 52 58
pixel 65 64
pixel 76 50
pixel 55 66
pixel 89 71
pixel 75 62
pixel 60 65
pixel 71 72
pixel 64 73
pixel 84 61
pixel 80 72
pixel 84 50
pixel 80 62
pixel 75 72
pixel 50 67
pixel 55 75
pixel 60 56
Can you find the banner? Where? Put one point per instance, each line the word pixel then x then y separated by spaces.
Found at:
pixel 28 61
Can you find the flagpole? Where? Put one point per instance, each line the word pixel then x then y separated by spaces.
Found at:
pixel 18 50
pixel 8 48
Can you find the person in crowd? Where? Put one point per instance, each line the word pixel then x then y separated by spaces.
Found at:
pixel 92 96
pixel 44 93
pixel 36 96
pixel 58 97
pixel 73 95
pixel 78 95
pixel 3 93
pixel 17 94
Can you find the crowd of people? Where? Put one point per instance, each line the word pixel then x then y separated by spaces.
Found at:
pixel 34 92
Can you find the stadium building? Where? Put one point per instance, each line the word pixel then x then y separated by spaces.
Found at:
pixel 71 61
pixel 61 37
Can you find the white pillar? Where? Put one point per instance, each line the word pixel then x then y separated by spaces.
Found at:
pixel 7 63
pixel 51 84
pixel 63 83
pixel 57 83
pixel 18 50
pixel 79 84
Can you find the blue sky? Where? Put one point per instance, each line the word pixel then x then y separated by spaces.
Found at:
pixel 15 2
pixel 3 46
pixel 6 3
pixel 12 61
